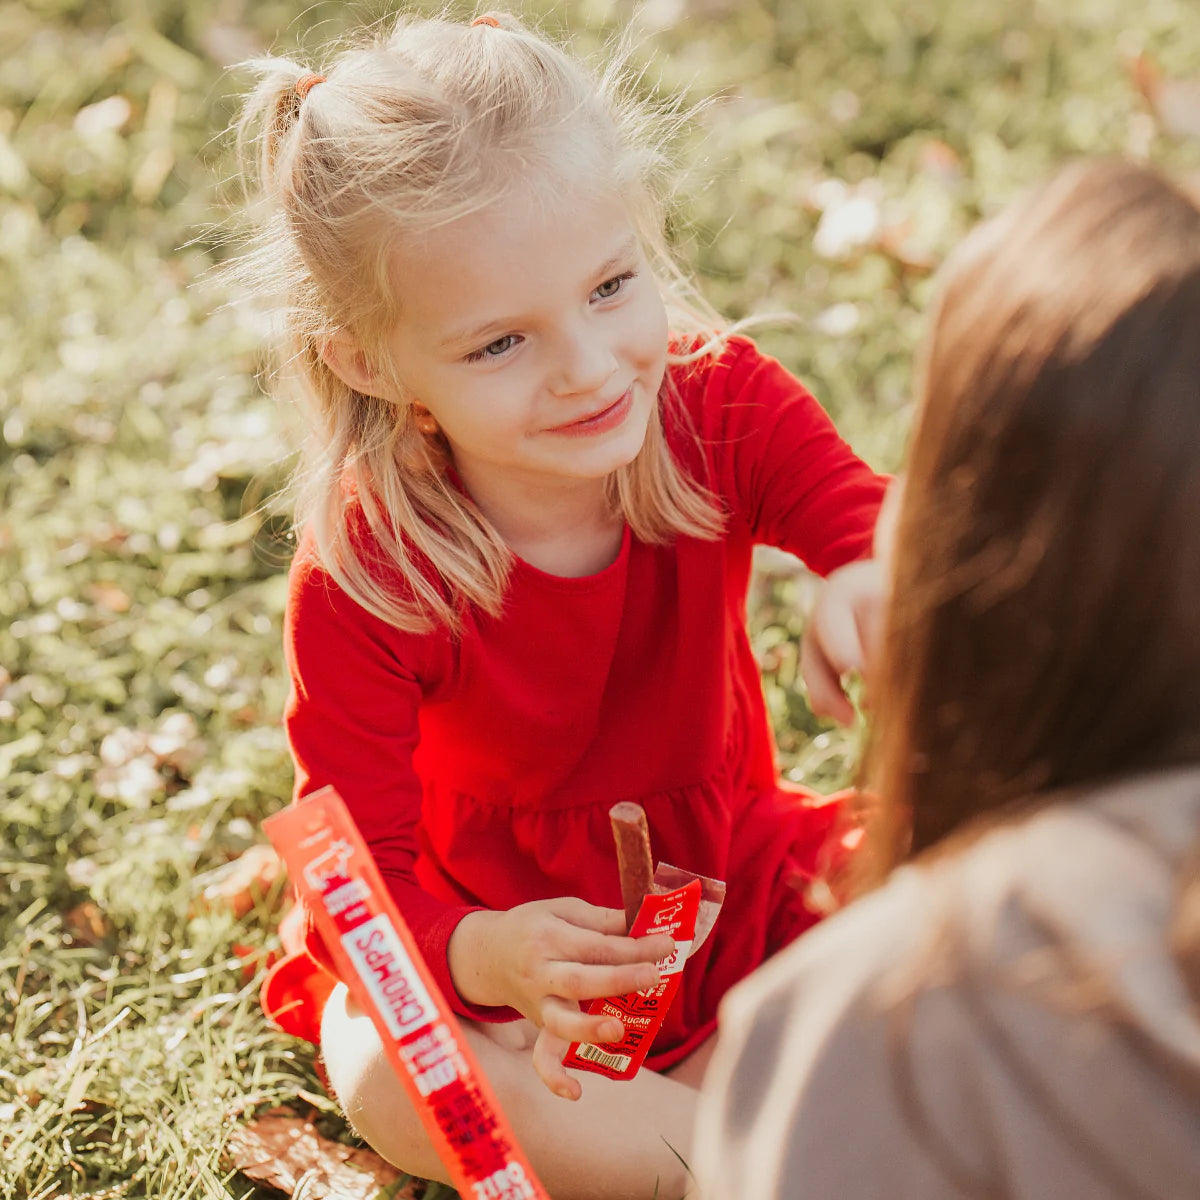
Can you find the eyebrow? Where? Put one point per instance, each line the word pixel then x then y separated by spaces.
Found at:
pixel 475 333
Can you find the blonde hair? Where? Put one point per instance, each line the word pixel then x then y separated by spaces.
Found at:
pixel 423 124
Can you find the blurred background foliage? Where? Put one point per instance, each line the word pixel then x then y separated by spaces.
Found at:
pixel 843 149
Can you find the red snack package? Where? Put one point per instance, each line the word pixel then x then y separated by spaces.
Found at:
pixel 642 1013
pixel 335 875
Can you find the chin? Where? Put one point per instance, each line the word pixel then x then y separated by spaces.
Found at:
pixel 625 447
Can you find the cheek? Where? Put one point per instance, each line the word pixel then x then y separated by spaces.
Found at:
pixel 648 333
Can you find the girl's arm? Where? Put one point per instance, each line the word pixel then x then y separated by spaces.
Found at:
pixel 782 466
pixel 787 474
pixel 352 721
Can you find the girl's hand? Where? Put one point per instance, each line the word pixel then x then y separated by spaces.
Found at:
pixel 543 958
pixel 842 636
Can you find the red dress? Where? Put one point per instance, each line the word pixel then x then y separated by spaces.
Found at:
pixel 481 770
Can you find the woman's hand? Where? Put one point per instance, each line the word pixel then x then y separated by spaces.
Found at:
pixel 842 636
pixel 543 958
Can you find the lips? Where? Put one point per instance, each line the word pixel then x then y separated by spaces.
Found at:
pixel 601 418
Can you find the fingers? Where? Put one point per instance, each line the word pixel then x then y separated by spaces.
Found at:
pixel 588 916
pixel 548 1053
pixel 888 521
pixel 587 981
pixel 826 696
pixel 842 636
pixel 554 948
pixel 597 935
pixel 564 1019
pixel 615 951
pixel 563 1024
pixel 835 627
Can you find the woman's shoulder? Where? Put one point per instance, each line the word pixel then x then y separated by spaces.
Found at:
pixel 1092 878
pixel 850 952
pixel 1025 948
pixel 814 1034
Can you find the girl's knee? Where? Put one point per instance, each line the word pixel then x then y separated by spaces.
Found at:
pixel 365 1085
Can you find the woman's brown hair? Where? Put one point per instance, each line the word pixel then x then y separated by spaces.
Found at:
pixel 1044 628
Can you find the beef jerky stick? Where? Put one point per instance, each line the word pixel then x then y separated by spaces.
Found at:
pixel 634 860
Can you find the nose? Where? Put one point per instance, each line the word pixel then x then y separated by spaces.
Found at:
pixel 584 362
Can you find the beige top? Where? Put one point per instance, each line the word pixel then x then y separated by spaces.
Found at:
pixel 1007 1023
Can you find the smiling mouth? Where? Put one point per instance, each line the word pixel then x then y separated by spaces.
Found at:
pixel 602 418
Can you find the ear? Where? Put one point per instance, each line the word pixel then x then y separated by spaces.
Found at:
pixel 348 361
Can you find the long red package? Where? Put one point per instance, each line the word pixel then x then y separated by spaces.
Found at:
pixel 336 877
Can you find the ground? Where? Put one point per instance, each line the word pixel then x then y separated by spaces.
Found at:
pixel 842 150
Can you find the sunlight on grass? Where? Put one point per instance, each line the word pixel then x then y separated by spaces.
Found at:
pixel 844 151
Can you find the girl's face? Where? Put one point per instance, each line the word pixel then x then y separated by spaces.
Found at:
pixel 536 337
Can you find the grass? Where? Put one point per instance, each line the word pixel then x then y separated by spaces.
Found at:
pixel 141 571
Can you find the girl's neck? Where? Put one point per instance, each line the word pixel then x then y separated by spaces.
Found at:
pixel 565 529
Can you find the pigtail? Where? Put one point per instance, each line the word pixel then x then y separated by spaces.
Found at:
pixel 270 113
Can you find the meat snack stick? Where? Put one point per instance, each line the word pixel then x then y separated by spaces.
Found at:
pixel 675 904
pixel 634 859
pixel 375 953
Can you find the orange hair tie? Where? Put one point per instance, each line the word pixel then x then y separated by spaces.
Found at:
pixel 306 83
pixel 486 21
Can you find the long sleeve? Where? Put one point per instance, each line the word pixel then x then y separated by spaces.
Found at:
pixel 352 721
pixel 784 466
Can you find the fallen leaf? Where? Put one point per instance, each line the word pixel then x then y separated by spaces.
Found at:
pixel 253 959
pixel 240 885
pixel 87 924
pixel 287 1153
pixel 109 596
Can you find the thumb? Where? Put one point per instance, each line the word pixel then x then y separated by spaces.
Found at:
pixel 548 1052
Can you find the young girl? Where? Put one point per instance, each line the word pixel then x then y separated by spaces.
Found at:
pixel 1019 1014
pixel 535 482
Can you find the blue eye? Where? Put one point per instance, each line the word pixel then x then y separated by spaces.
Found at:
pixel 494 349
pixel 610 287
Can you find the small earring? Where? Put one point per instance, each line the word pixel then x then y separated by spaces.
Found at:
pixel 424 419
